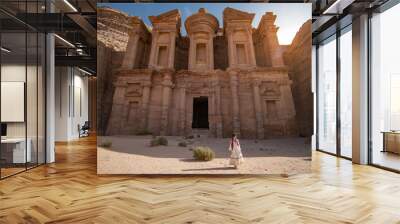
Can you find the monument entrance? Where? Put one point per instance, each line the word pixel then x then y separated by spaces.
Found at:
pixel 200 112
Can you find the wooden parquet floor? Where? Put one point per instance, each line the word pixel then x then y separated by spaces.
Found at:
pixel 69 191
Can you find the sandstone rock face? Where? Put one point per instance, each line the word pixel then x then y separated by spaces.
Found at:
pixel 298 58
pixel 113 28
pixel 226 80
pixel 112 38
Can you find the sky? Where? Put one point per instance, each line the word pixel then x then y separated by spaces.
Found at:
pixel 289 19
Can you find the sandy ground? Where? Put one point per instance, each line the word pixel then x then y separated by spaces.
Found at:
pixel 133 155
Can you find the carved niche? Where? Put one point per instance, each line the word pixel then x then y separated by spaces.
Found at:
pixel 134 90
pixel 270 90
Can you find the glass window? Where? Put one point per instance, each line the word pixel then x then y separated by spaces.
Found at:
pixel 22 90
pixel 385 89
pixel 346 93
pixel 327 96
pixel 14 153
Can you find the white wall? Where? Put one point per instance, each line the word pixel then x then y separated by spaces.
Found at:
pixel 33 126
pixel 17 73
pixel 71 102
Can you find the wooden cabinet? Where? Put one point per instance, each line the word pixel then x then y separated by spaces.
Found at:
pixel 391 142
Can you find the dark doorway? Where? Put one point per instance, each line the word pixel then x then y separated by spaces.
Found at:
pixel 200 112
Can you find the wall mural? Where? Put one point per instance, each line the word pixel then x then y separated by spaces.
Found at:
pixel 192 90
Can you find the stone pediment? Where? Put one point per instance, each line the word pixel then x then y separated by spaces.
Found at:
pixel 138 24
pixel 172 16
pixel 231 14
pixel 199 18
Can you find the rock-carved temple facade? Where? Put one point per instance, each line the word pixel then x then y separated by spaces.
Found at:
pixel 227 80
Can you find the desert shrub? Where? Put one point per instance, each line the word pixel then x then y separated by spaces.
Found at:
pixel 189 137
pixel 144 132
pixel 159 141
pixel 182 144
pixel 203 153
pixel 162 141
pixel 106 144
pixel 154 142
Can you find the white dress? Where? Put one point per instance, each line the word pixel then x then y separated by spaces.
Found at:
pixel 236 153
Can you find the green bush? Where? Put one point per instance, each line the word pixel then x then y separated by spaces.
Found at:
pixel 144 132
pixel 162 141
pixel 182 144
pixel 203 153
pixel 158 141
pixel 106 144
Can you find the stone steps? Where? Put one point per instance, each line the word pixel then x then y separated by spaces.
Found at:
pixel 200 133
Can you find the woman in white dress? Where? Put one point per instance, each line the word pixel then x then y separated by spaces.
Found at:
pixel 236 152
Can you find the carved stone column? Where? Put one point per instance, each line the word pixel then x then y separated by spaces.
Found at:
pixel 189 113
pixel 182 107
pixel 211 112
pixel 287 103
pixel 231 55
pixel 218 111
pixel 115 122
pixel 153 50
pixel 210 53
pixel 252 53
pixel 258 109
pixel 167 86
pixel 171 57
pixel 235 102
pixel 131 51
pixel 145 103
pixel 192 51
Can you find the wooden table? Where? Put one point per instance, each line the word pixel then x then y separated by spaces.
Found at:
pixel 13 150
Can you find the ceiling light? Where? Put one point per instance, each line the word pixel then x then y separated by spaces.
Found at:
pixel 65 41
pixel 70 5
pixel 84 71
pixel 338 6
pixel 5 50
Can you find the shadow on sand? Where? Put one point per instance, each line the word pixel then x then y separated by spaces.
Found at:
pixel 295 147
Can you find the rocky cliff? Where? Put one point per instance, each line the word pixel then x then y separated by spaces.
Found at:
pixel 112 38
pixel 297 57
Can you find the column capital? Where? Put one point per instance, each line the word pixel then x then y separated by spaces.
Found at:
pixel 167 81
pixel 232 71
pixel 181 84
pixel 146 83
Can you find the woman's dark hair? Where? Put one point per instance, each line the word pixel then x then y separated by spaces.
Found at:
pixel 233 135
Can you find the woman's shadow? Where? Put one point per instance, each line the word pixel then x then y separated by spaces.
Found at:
pixel 211 168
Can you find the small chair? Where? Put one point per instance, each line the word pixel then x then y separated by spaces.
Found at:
pixel 84 130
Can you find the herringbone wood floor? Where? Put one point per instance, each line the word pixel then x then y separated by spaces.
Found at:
pixel 69 191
